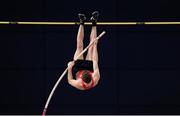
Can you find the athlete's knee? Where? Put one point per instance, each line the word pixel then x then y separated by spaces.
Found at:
pixel 80 45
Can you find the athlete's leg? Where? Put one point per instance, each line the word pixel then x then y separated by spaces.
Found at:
pixel 80 37
pixel 93 35
pixel 95 52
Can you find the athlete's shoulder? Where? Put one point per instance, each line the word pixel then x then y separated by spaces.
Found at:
pixel 77 84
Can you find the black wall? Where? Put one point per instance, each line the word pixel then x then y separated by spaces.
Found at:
pixel 140 67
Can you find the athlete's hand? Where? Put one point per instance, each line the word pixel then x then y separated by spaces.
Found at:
pixel 70 64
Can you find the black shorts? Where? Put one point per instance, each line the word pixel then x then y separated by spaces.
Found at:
pixel 82 65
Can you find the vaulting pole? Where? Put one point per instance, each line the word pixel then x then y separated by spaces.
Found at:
pixel 63 74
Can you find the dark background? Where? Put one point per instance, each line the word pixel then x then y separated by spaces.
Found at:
pixel 140 66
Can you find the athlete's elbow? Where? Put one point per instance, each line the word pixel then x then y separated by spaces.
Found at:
pixel 70 81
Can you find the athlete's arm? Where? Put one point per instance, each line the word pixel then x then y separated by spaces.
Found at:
pixel 70 76
pixel 96 74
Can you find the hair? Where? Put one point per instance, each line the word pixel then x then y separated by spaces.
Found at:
pixel 86 76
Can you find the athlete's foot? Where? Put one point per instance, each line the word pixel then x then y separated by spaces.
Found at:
pixel 94 17
pixel 82 18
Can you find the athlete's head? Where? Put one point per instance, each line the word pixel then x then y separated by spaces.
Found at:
pixel 86 76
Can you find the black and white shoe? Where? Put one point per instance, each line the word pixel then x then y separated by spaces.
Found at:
pixel 82 18
pixel 94 17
